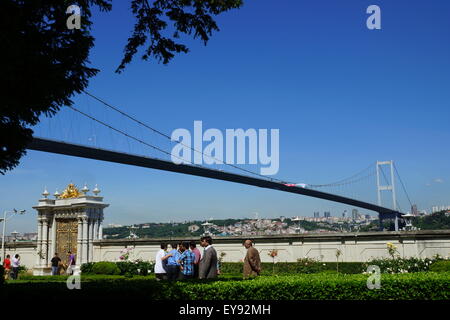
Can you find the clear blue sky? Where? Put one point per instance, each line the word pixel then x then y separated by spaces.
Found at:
pixel 342 96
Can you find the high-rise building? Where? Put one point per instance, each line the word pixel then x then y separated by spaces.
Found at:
pixel 355 214
pixel 327 214
pixel 414 210
pixel 435 209
pixel 316 214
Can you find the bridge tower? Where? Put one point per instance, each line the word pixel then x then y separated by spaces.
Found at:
pixel 389 187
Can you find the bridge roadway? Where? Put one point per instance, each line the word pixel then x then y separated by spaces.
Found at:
pixel 76 150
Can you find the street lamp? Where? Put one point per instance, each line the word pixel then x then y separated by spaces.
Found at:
pixel 4 219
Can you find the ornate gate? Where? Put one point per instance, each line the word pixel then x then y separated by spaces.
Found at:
pixel 66 237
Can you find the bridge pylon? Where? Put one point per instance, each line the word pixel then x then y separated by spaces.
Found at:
pixel 390 186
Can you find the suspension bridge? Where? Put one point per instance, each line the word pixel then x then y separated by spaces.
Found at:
pixel 240 175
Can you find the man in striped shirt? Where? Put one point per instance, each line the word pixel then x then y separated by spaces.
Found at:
pixel 186 261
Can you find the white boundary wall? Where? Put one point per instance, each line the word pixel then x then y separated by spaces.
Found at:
pixel 354 247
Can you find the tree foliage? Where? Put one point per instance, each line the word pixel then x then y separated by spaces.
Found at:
pixel 435 221
pixel 44 63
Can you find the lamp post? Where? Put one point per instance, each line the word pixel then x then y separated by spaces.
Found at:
pixel 5 217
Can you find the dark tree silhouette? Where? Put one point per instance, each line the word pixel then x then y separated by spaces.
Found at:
pixel 44 63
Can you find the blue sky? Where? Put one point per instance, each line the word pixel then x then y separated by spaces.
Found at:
pixel 342 96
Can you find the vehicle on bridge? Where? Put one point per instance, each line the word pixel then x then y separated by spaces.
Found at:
pixel 301 185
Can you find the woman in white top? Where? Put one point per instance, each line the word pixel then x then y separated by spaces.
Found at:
pixel 160 271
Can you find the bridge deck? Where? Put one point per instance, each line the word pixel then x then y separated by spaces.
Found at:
pixel 58 147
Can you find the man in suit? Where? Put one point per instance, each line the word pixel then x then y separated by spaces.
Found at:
pixel 208 262
pixel 252 262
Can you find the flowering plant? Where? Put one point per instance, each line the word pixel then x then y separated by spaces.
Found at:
pixel 402 265
pixel 273 253
pixel 125 254
pixel 219 261
pixel 338 254
pixel 392 250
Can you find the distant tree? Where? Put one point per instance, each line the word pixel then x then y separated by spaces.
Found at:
pixel 44 63
pixel 435 221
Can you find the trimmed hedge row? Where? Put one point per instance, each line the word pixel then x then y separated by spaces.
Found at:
pixel 421 286
pixel 441 266
pixel 63 278
pixel 297 267
pixel 127 268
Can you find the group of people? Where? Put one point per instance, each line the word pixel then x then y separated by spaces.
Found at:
pixel 58 266
pixel 11 267
pixel 184 261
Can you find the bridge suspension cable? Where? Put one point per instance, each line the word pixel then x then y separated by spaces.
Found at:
pixel 162 134
pixel 403 185
pixel 362 175
pixel 347 180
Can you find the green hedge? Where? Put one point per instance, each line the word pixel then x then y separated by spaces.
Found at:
pixel 440 266
pixel 63 278
pixel 297 267
pixel 127 268
pixel 422 286
pixel 105 267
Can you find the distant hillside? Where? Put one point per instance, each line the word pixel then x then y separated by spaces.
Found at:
pixel 435 221
pixel 163 230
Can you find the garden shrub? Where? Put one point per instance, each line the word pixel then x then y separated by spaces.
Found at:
pixel 87 267
pixel 440 266
pixel 22 269
pixel 322 286
pixel 105 267
pixel 301 266
pixel 138 267
pixel 401 265
pixel 128 268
